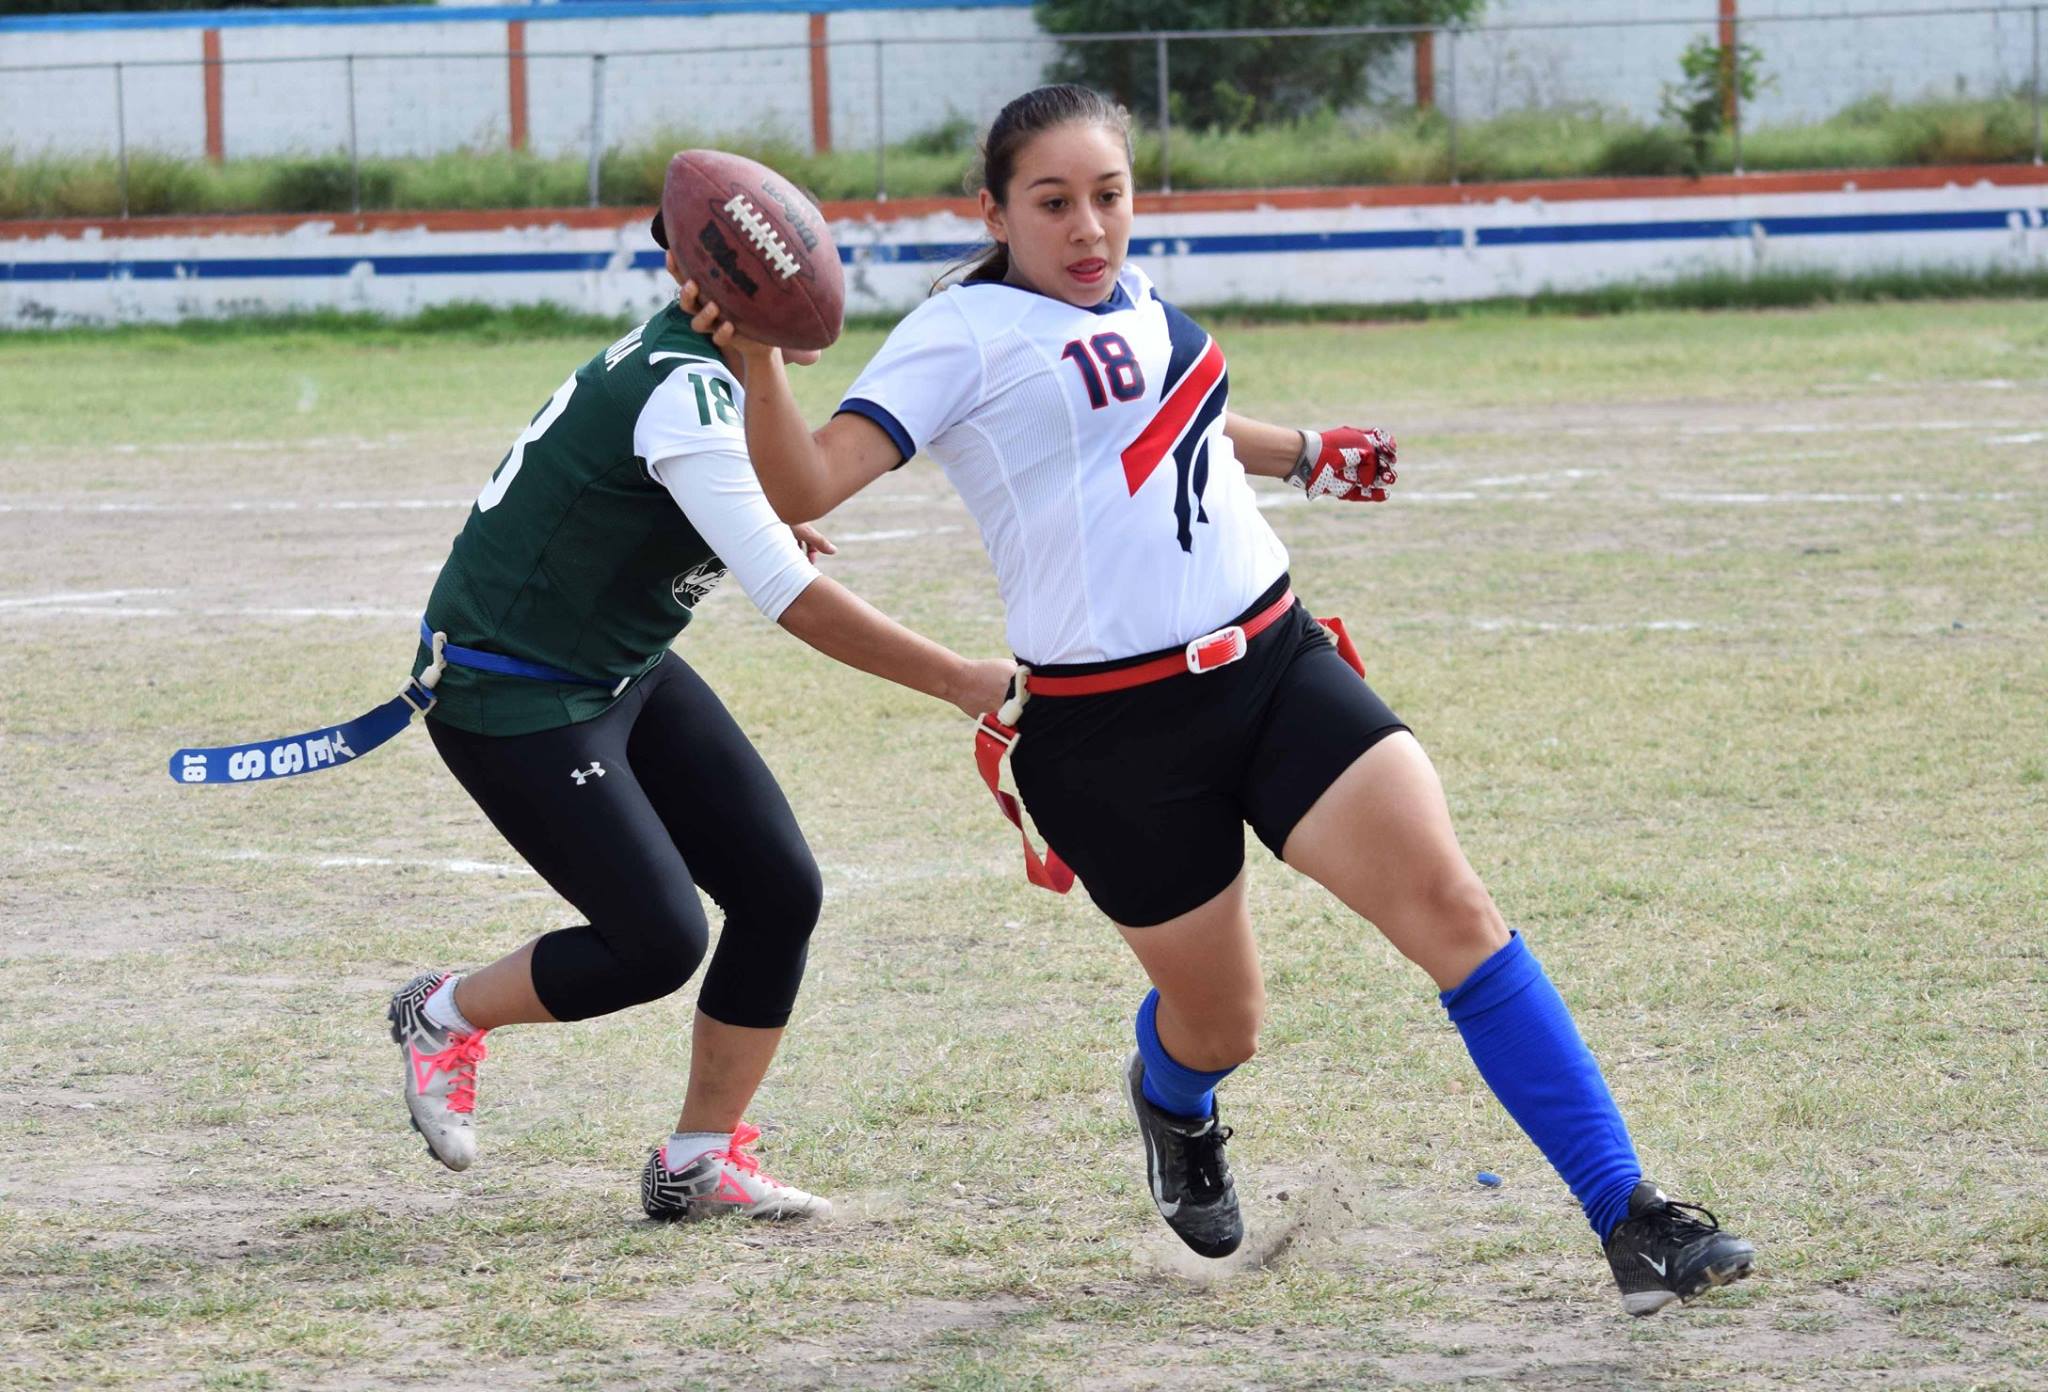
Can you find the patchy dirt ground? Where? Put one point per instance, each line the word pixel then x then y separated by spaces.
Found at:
pixel 1738 697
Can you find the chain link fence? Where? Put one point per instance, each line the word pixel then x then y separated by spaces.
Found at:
pixel 473 126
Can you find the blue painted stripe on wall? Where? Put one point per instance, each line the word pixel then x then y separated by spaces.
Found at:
pixel 285 267
pixel 1830 225
pixel 423 14
pixel 1221 244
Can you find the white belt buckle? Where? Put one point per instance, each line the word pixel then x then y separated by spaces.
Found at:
pixel 1218 649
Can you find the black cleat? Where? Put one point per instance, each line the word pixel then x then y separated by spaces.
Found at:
pixel 1191 1180
pixel 1663 1251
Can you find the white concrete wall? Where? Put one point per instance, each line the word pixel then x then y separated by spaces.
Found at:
pixel 706 74
pixel 1468 251
pixel 734 73
pixel 751 72
pixel 925 82
pixel 1813 66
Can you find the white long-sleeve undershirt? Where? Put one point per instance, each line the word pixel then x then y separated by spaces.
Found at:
pixel 718 492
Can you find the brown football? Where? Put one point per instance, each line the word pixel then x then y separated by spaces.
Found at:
pixel 756 245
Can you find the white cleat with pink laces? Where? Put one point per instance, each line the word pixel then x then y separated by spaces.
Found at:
pixel 440 1073
pixel 723 1181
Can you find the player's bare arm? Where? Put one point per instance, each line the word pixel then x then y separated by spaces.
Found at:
pixel 1342 462
pixel 845 627
pixel 1265 449
pixel 804 473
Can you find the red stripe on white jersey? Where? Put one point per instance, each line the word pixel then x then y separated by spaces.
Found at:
pixel 1143 454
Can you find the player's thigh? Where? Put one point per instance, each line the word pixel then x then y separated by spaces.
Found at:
pixel 1380 838
pixel 722 806
pixel 1319 718
pixel 1205 962
pixel 599 843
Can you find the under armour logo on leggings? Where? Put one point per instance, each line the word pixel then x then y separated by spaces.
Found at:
pixel 582 776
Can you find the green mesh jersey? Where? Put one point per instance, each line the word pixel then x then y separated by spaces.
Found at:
pixel 575 555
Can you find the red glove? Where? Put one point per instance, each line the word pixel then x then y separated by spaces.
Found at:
pixel 1345 462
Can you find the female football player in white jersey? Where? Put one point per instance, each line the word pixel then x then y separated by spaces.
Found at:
pixel 1177 691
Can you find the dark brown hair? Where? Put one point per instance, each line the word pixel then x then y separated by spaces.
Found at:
pixel 1040 109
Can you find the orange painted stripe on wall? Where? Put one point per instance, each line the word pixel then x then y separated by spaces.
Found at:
pixel 1726 38
pixel 1250 200
pixel 515 76
pixel 209 50
pixel 821 88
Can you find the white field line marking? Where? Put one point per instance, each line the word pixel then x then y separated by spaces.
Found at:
pixel 1884 499
pixel 2032 437
pixel 86 597
pixel 282 447
pixel 1545 626
pixel 245 505
pixel 1553 476
pixel 452 867
pixel 839 879
pixel 1295 498
pixel 117 611
pixel 1791 428
pixel 900 534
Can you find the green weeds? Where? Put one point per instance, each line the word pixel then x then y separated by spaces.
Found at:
pixel 1398 147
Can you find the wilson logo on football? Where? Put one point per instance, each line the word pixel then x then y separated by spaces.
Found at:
pixel 794 209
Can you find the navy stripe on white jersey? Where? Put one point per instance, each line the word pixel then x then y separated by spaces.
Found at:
pixel 1088 444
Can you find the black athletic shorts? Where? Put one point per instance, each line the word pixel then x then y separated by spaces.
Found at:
pixel 1145 792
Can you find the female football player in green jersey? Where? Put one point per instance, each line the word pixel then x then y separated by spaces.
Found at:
pixel 610 765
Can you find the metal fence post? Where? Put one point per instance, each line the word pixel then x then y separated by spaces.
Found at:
pixel 355 163
pixel 2037 84
pixel 121 134
pixel 596 121
pixel 1451 113
pixel 1165 119
pixel 1735 86
pixel 881 139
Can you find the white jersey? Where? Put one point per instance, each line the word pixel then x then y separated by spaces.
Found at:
pixel 1088 443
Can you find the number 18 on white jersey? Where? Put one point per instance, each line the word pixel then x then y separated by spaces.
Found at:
pixel 1089 445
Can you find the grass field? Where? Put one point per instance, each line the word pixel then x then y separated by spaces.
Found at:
pixel 1728 632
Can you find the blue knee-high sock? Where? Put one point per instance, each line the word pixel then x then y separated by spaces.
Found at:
pixel 1530 1053
pixel 1170 1085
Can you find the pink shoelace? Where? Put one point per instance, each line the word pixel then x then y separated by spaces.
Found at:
pixel 736 1155
pixel 460 1058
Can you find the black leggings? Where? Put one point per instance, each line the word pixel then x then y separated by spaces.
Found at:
pixel 625 815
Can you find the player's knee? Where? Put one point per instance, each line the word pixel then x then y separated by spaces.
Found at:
pixel 669 949
pixel 783 899
pixel 802 897
pixel 1463 912
pixel 1225 1035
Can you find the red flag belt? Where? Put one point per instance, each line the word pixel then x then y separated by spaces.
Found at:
pixel 995 740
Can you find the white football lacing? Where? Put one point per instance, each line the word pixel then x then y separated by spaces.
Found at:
pixel 763 235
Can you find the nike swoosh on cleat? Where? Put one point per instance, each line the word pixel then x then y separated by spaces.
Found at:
pixel 1652 1263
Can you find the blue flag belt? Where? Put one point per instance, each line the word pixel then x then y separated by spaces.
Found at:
pixel 334 745
pixel 507 666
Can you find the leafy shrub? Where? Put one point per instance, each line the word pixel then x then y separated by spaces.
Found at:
pixel 324 183
pixel 1644 150
pixel 1712 77
pixel 1231 84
